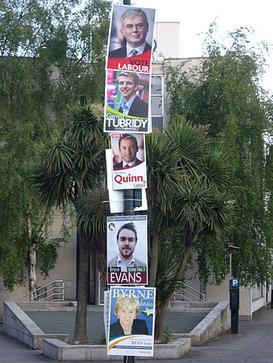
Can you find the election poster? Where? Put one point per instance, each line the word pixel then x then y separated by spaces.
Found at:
pixel 106 296
pixel 131 38
pixel 131 321
pixel 118 198
pixel 127 257
pixel 129 161
pixel 127 96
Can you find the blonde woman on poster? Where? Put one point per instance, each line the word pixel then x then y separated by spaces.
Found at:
pixel 131 321
pixel 126 310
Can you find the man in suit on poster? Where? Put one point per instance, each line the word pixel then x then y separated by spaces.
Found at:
pixel 134 28
pixel 128 149
pixel 131 104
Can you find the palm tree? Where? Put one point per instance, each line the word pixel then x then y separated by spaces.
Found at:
pixel 70 169
pixel 93 209
pixel 163 178
pixel 186 189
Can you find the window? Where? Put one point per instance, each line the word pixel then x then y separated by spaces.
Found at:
pixel 157 102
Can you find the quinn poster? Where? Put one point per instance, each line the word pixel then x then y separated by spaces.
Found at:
pixel 131 321
pixel 129 161
pixel 118 198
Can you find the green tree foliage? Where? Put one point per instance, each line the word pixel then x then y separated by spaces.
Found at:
pixel 60 40
pixel 223 93
pixel 70 170
pixel 51 55
pixel 24 221
pixel 187 184
pixel 268 220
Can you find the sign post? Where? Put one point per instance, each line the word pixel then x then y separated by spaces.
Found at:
pixel 234 302
pixel 234 295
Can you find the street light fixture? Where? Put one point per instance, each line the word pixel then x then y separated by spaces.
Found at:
pixel 231 249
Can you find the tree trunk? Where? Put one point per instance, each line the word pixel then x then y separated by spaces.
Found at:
pixel 154 259
pixel 80 331
pixel 163 304
pixel 161 318
pixel 32 272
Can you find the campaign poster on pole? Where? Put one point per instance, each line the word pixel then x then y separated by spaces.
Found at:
pixel 127 256
pixel 131 321
pixel 131 38
pixel 117 198
pixel 106 296
pixel 127 102
pixel 129 161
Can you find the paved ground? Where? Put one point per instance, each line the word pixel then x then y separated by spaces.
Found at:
pixel 253 344
pixel 13 352
pixel 62 322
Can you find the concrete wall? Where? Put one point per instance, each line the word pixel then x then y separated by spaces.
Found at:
pixel 216 322
pixel 15 295
pixel 245 309
pixel 65 268
pixel 57 350
pixel 257 304
pixel 216 292
pixel 18 324
pixel 221 292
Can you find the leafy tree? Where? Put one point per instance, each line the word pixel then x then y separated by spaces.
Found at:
pixel 223 93
pixel 70 169
pixel 24 221
pixel 187 182
pixel 52 54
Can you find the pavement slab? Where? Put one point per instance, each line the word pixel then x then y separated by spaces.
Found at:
pixel 62 322
pixel 253 344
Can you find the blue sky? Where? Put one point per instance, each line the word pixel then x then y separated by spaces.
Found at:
pixel 196 15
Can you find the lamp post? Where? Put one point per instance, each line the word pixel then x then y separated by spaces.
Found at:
pixel 231 249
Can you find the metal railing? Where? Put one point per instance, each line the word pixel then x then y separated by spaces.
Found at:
pixel 185 292
pixel 50 292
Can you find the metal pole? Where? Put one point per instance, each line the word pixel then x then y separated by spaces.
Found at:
pixel 129 193
pixel 233 294
pixel 230 265
pixel 128 196
pixel 234 322
pixel 128 206
pixel 128 359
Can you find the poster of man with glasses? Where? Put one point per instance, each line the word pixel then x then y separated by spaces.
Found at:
pixel 130 38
